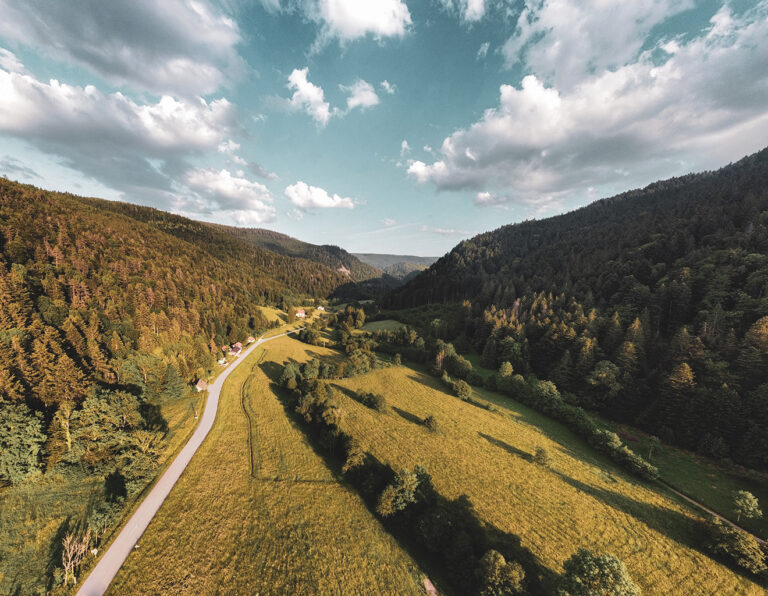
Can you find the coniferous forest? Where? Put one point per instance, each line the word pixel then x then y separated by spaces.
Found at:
pixel 650 307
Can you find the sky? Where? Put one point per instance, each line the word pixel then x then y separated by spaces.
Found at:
pixel 396 126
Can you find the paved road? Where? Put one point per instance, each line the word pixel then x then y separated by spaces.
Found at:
pixel 102 575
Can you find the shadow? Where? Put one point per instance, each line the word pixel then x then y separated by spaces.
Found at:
pixel 55 550
pixel 153 417
pixel 681 528
pixel 407 416
pixel 114 487
pixel 507 447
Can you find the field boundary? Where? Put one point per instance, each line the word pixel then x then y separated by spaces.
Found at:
pixel 252 443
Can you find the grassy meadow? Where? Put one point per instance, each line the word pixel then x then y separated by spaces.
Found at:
pixel 259 512
pixel 385 325
pixel 580 500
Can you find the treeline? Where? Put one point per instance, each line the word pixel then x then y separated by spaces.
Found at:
pixel 650 307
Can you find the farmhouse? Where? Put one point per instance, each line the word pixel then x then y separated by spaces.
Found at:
pixel 235 349
pixel 300 314
pixel 201 385
pixel 321 308
pixel 251 339
pixel 222 361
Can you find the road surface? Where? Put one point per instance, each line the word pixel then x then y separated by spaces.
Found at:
pixel 102 575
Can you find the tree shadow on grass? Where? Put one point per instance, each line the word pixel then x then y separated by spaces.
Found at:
pixel 677 526
pixel 507 447
pixel 407 415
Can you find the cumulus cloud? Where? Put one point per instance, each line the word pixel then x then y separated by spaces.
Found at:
pixel 361 94
pixel 309 97
pixel 180 47
pixel 222 193
pixel 404 148
pixel 304 196
pixel 482 51
pixel 388 87
pixel 564 40
pixel 139 149
pixel 703 104
pixel 352 19
pixel 470 10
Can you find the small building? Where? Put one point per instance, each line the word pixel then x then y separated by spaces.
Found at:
pixel 222 361
pixel 235 349
pixel 201 385
pixel 301 314
pixel 321 308
pixel 251 339
pixel 224 348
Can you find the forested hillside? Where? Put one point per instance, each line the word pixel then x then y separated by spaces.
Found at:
pixel 651 306
pixel 106 310
pixel 398 266
pixel 334 257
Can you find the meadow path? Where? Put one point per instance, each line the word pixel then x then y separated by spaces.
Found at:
pixel 102 575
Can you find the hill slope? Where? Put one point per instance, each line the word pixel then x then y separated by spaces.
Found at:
pixel 650 306
pixel 332 256
pixel 108 312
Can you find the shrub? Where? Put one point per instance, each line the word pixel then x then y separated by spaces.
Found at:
pixel 497 577
pixel 735 545
pixel 398 495
pixel 475 378
pixel 431 423
pixel 374 401
pixel 542 457
pixel 587 574
pixel 462 390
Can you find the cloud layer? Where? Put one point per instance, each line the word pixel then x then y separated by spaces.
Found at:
pixel 178 47
pixel 701 100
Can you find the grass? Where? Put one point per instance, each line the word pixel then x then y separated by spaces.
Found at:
pixel 581 500
pixel 385 325
pixel 709 482
pixel 273 314
pixel 264 515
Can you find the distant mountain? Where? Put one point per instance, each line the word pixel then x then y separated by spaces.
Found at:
pixel 332 256
pixel 650 306
pixel 401 267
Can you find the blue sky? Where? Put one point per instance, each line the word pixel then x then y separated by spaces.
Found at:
pixel 395 126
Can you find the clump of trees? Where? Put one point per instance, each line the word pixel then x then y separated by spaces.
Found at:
pixel 746 505
pixel 375 401
pixel 735 546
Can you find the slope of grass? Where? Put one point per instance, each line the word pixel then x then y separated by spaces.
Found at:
pixel 258 511
pixel 710 483
pixel 581 500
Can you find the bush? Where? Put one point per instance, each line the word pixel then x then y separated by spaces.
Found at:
pixel 431 423
pixel 462 390
pixel 542 457
pixel 587 574
pixel 736 546
pixel 475 378
pixel 374 401
pixel 497 577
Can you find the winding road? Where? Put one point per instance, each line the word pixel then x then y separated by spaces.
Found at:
pixel 102 575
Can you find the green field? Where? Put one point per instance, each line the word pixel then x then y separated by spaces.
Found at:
pixel 259 512
pixel 582 500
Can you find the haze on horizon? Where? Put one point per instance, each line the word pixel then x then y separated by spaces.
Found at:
pixel 381 126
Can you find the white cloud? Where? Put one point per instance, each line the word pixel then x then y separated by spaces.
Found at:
pixel 305 196
pixel 180 47
pixel 222 193
pixel 703 104
pixel 9 62
pixel 389 222
pixel 470 10
pixel 388 87
pixel 482 51
pixel 261 171
pixel 561 41
pixel 404 148
pixel 309 97
pixel 352 19
pixel 361 95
